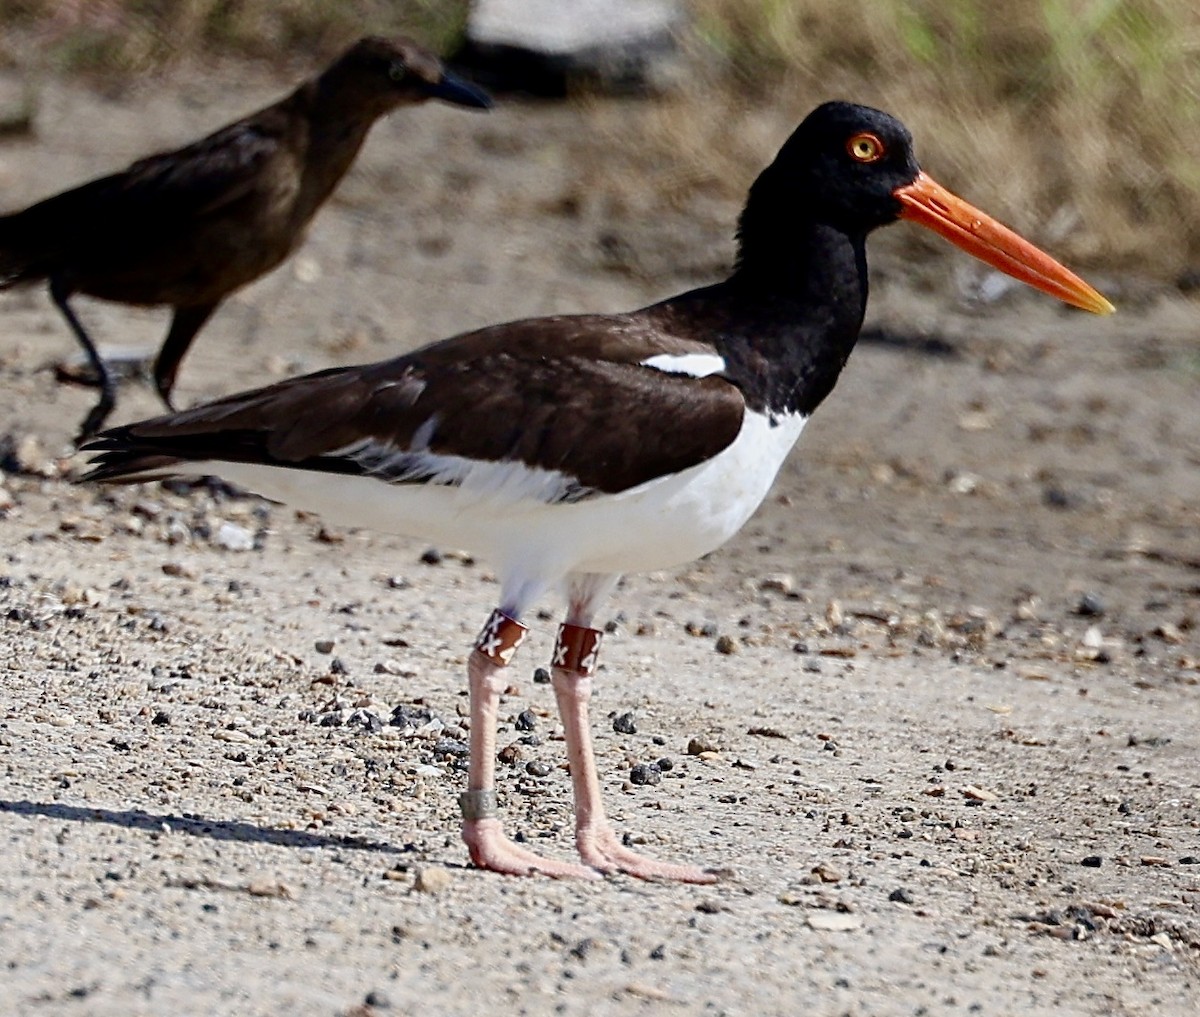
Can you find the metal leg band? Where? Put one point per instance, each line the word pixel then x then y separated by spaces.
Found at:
pixel 477 804
pixel 500 638
pixel 577 648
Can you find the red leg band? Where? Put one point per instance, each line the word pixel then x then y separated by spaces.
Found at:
pixel 577 648
pixel 500 638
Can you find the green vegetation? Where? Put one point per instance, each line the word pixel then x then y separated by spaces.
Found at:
pixel 1078 119
pixel 1084 115
pixel 117 36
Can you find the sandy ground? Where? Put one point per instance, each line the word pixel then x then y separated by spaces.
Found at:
pixel 952 759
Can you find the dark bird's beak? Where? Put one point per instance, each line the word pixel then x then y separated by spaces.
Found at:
pixel 456 90
pixel 926 202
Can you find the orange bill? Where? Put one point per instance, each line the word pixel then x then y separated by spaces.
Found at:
pixel 927 202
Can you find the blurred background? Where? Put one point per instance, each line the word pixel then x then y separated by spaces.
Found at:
pixel 1078 121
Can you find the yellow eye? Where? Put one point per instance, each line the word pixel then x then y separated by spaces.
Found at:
pixel 865 147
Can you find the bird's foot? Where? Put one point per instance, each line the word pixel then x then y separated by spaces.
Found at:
pixel 601 850
pixel 95 419
pixel 491 849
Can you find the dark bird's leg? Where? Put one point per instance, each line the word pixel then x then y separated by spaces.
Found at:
pixel 185 324
pixel 487 671
pixel 60 291
pixel 574 663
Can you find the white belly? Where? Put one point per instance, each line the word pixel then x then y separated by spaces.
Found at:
pixel 656 525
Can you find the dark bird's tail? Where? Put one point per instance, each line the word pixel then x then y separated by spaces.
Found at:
pixel 22 256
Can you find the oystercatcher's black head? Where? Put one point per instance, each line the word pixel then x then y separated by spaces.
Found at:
pixel 851 169
pixel 845 163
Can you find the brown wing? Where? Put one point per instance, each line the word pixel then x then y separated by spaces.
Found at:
pixel 567 394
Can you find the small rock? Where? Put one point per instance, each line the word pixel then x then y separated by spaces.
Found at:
pixel 666 765
pixel 526 721
pixel 827 873
pixel 541 676
pixel 833 921
pixel 324 645
pixel 962 481
pixel 432 879
pixel 624 724
pixel 378 999
pixel 699 744
pixel 178 570
pixel 392 667
pixel 538 768
pixel 778 582
pixel 1092 861
pixel 233 537
pixel 901 896
pixel 431 556
pixel 979 794
pixel 1090 606
pixel 584 948
pixel 645 774
pixel 726 645
pixel 1169 633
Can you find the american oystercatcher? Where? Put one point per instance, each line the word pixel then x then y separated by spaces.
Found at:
pixel 568 450
pixel 187 228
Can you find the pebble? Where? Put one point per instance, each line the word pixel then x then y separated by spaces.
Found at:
pixel 979 794
pixel 324 645
pixel 378 999
pixel 833 921
pixel 699 744
pixel 178 570
pixel 1092 861
pixel 394 668
pixel 726 645
pixel 526 721
pixel 541 676
pixel 645 774
pixel 901 896
pixel 624 724
pixel 233 537
pixel 431 556
pixel 1090 606
pixel 432 879
pixel 538 768
pixel 1169 633
pixel 827 873
pixel 778 582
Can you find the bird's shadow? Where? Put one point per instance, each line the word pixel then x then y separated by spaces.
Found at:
pixel 199 826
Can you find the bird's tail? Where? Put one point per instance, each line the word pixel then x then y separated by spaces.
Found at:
pixel 20 259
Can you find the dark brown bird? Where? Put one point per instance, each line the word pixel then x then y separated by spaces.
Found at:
pixel 187 228
pixel 570 450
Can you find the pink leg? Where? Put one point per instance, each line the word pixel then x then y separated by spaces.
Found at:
pixel 481 830
pixel 574 663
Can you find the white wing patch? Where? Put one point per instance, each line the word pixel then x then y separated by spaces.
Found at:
pixel 696 365
pixel 508 481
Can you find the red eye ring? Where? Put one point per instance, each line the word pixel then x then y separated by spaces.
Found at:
pixel 865 147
